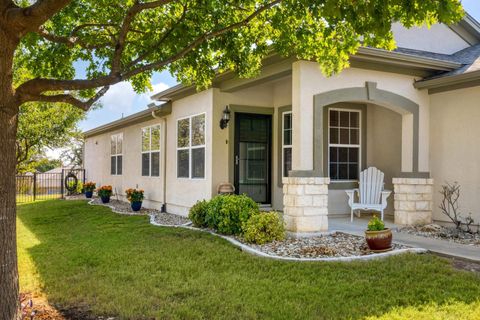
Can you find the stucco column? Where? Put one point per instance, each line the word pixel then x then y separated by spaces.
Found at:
pixel 305 201
pixel 413 201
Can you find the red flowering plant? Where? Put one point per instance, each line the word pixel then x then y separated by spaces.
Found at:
pixel 104 191
pixel 89 186
pixel 134 195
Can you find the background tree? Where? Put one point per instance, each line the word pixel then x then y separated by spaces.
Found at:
pixel 72 153
pixel 45 164
pixel 129 39
pixel 44 126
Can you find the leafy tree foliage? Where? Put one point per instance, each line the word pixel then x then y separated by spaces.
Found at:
pixel 42 126
pixel 72 153
pixel 128 40
pixel 46 164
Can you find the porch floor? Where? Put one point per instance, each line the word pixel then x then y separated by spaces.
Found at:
pixel 441 247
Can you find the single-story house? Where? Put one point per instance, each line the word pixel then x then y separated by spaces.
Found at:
pixel 296 140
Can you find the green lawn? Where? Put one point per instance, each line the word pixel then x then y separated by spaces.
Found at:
pixel 86 256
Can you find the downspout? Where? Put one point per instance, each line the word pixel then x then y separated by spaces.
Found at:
pixel 164 160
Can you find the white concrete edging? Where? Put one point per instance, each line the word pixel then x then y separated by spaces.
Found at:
pixel 259 253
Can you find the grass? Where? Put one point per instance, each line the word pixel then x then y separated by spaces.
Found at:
pixel 86 256
pixel 27 198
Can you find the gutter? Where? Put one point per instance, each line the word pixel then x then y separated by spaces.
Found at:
pixel 405 59
pixel 453 81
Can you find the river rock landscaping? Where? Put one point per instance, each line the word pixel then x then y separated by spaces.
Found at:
pixel 337 244
pixel 436 231
pixel 158 217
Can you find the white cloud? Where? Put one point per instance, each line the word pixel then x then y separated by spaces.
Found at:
pixel 122 98
pixel 119 97
pixel 158 87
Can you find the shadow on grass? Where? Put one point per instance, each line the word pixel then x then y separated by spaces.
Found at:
pixel 88 257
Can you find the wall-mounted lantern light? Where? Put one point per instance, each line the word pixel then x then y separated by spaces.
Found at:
pixel 225 118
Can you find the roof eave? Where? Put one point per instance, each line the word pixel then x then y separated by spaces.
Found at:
pixel 448 83
pixel 406 59
pixel 364 53
pixel 159 111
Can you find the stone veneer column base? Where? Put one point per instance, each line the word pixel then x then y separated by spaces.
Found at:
pixel 305 202
pixel 413 201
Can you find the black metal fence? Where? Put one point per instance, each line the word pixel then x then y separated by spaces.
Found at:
pixel 49 185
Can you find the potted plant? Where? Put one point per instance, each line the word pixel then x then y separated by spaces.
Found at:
pixel 89 187
pixel 105 192
pixel 379 238
pixel 135 196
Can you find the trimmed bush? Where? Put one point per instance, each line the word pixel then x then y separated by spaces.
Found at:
pixel 227 213
pixel 198 213
pixel 264 227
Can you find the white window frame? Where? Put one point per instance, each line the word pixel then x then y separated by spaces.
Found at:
pixel 339 145
pixel 190 147
pixel 150 150
pixel 116 155
pixel 284 146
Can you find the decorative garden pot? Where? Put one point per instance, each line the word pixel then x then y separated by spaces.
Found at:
pixel 88 194
pixel 225 188
pixel 105 199
pixel 136 205
pixel 379 241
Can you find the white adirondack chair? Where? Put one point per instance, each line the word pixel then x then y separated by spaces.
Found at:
pixel 370 193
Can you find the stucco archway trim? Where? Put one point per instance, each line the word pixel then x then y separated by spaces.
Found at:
pixel 368 94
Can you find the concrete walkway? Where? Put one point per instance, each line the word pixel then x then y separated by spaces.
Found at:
pixel 442 247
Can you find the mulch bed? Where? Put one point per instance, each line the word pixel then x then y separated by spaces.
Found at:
pixel 336 244
pixel 159 217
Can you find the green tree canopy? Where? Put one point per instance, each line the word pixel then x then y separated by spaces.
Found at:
pixel 44 126
pixel 128 40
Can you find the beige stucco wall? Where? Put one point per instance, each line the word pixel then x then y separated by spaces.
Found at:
pixel 439 38
pixel 182 193
pixel 455 147
pixel 97 163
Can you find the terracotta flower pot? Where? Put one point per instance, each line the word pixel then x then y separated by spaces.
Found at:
pixel 379 241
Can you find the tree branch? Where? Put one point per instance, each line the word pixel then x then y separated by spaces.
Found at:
pixel 32 17
pixel 69 41
pixel 159 42
pixel 200 40
pixel 125 28
pixel 36 87
pixel 68 98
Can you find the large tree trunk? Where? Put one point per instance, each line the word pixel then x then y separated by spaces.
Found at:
pixel 9 304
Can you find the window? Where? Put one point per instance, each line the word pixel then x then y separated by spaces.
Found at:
pixel 116 158
pixel 344 144
pixel 151 151
pixel 191 147
pixel 286 143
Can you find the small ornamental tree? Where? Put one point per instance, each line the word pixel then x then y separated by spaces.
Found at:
pixel 128 40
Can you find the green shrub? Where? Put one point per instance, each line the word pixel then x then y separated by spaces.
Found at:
pixel 375 224
pixel 80 187
pixel 198 213
pixel 264 227
pixel 227 213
